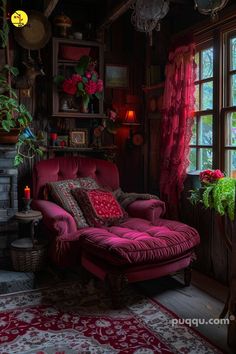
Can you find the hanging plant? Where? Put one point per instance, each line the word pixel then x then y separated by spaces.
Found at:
pixel 14 115
pixel 216 192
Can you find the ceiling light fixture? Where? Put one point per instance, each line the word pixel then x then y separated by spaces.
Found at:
pixel 147 14
pixel 210 7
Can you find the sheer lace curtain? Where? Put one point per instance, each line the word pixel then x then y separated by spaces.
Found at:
pixel 177 120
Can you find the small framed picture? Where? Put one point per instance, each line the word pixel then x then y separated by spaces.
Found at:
pixel 79 138
pixel 117 76
pixel 62 140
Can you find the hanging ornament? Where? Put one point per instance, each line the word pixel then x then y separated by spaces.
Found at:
pixel 210 7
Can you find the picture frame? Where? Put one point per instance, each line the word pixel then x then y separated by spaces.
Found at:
pixel 79 138
pixel 62 140
pixel 117 76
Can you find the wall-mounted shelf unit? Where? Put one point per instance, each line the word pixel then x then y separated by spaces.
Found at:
pixel 65 51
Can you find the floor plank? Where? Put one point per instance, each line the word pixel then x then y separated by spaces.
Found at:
pixel 202 300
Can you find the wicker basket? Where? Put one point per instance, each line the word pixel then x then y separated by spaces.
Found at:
pixel 27 257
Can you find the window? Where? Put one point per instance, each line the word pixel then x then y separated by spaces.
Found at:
pixel 201 145
pixel 229 111
pixel 213 143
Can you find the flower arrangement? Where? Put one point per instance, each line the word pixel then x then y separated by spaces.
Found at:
pixel 216 192
pixel 83 83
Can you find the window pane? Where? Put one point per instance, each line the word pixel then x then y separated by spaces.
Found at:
pixel 205 158
pixel 207 63
pixel 233 90
pixel 193 159
pixel 197 63
pixel 233 53
pixel 230 131
pixel 194 133
pixel 231 163
pixel 197 98
pixel 207 96
pixel 205 130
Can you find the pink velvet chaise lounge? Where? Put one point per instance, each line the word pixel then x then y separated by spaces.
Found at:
pixel 145 246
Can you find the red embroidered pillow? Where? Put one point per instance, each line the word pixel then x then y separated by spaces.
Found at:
pixel 60 192
pixel 99 207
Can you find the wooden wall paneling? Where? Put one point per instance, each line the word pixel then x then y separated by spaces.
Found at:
pixel 218 251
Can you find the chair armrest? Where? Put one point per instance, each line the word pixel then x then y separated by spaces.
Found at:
pixel 56 219
pixel 151 209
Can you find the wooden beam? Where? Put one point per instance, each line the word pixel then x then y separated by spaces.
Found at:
pixel 49 7
pixel 116 13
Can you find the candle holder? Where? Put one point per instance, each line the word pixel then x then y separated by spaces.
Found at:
pixel 27 202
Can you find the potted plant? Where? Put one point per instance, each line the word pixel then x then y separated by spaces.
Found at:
pixel 216 192
pixel 14 117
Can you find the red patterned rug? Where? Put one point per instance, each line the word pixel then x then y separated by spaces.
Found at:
pixel 76 319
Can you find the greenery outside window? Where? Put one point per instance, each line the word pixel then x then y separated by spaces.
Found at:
pixel 229 111
pixel 201 145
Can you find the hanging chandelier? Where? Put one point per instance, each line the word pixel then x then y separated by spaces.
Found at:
pixel 147 14
pixel 210 7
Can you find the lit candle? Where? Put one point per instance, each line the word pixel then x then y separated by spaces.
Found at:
pixel 27 192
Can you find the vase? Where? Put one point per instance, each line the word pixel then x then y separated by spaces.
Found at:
pixel 85 104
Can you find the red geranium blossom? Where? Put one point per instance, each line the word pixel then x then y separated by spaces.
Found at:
pixel 69 87
pixel 91 87
pixel 210 176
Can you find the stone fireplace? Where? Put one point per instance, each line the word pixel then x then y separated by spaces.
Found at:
pixel 8 202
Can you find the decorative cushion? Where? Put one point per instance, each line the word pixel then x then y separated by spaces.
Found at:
pixel 60 191
pixel 137 241
pixel 99 207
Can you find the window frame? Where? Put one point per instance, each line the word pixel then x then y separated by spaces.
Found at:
pixel 220 34
pixel 201 113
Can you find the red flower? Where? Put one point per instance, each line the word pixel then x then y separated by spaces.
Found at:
pixel 91 88
pixel 76 78
pixel 99 85
pixel 217 174
pixel 69 87
pixel 209 176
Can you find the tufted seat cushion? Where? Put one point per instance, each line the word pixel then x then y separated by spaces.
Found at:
pixel 137 241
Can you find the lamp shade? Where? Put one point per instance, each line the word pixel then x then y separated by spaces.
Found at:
pixel 130 117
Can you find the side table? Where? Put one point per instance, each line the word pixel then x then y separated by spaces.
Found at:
pixel 29 254
pixel 31 217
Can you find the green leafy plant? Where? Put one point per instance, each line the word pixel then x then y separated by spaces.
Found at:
pixel 14 115
pixel 216 192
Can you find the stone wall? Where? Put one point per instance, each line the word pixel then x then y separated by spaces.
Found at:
pixel 8 202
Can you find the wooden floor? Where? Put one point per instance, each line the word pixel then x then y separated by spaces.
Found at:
pixel 202 300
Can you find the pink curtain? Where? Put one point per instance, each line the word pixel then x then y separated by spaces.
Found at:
pixel 177 120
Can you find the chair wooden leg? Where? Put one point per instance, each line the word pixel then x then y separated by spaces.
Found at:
pixel 187 275
pixel 116 283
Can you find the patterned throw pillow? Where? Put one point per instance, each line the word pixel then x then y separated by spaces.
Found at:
pixel 99 207
pixel 60 192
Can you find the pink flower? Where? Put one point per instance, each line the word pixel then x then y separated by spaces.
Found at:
pixel 217 174
pixel 91 88
pixel 76 78
pixel 88 75
pixel 99 85
pixel 209 176
pixel 69 87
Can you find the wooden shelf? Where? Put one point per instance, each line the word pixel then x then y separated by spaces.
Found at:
pixel 75 114
pixel 86 149
pixel 59 65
